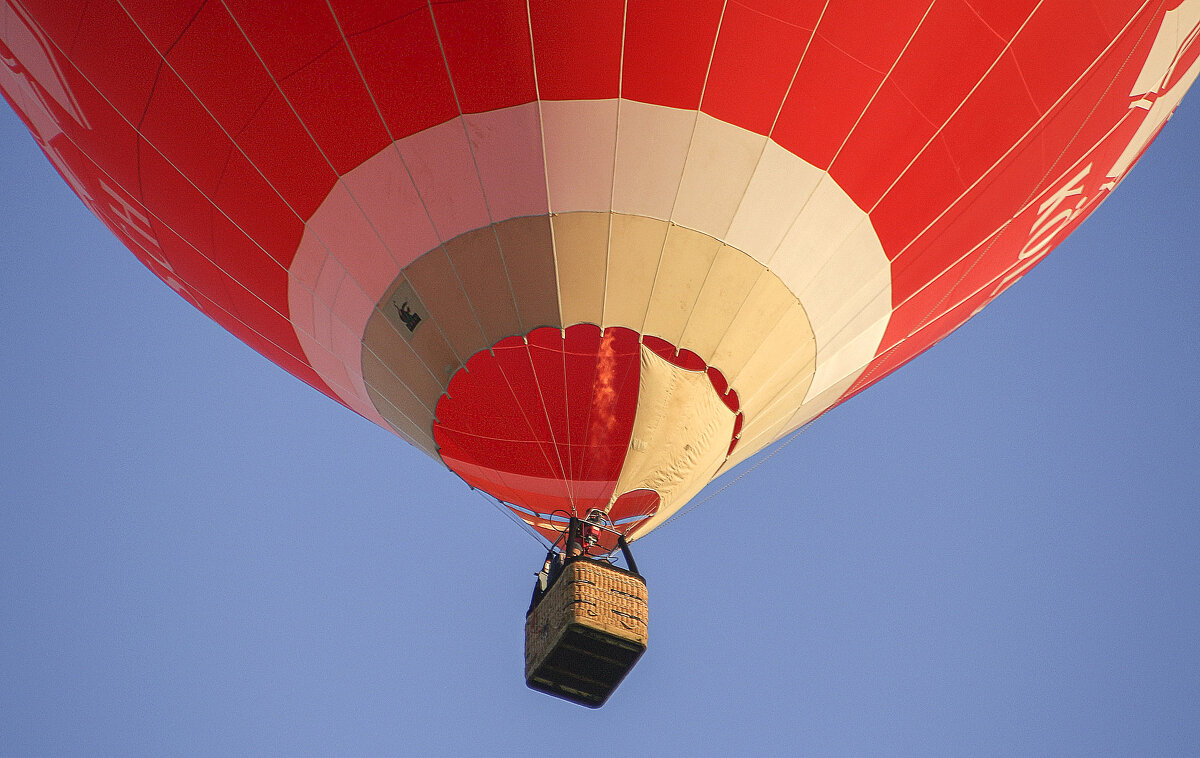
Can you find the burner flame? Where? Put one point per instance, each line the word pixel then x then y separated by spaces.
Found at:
pixel 604 399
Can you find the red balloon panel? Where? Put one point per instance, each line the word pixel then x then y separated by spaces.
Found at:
pixel 667 52
pixel 768 74
pixel 487 49
pixel 402 64
pixel 578 48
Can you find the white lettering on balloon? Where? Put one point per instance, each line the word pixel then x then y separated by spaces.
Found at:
pixel 134 225
pixel 1054 214
pixel 1161 83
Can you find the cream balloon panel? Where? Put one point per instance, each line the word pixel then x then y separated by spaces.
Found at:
pixel 741 188
pixel 701 296
pixel 730 310
pixel 608 212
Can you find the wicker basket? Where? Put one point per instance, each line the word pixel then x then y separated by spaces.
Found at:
pixel 586 633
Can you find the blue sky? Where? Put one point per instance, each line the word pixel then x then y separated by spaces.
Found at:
pixel 994 552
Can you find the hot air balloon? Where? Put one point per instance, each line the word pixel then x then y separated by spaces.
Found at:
pixel 590 256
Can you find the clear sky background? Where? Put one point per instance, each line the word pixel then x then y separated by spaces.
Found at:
pixel 994 552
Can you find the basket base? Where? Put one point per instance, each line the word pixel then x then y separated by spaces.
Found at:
pixel 585 666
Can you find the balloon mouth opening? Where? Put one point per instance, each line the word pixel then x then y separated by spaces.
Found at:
pixel 545 422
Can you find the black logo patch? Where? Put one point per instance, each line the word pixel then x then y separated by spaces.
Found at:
pixel 405 311
pixel 410 318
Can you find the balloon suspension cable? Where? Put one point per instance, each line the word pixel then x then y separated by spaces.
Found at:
pixel 499 505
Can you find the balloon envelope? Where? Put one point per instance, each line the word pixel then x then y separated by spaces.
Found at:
pixel 592 255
